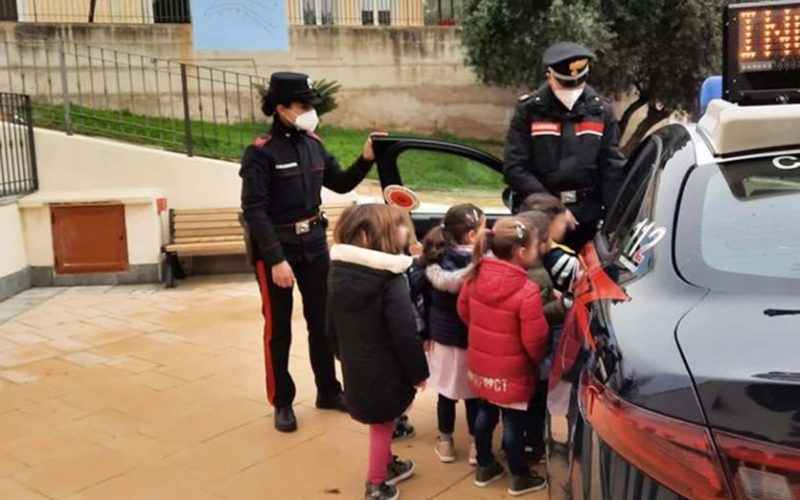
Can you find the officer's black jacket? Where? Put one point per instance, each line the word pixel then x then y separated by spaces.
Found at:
pixel 282 182
pixel 551 149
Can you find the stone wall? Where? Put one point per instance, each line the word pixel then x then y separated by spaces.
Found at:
pixel 14 272
pixel 411 78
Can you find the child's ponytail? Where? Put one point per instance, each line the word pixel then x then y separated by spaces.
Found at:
pixel 483 245
pixel 435 245
pixel 507 235
pixel 457 223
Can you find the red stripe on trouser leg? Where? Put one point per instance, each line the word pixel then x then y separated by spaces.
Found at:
pixel 263 284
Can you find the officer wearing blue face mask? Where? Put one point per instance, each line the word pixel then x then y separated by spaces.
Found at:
pixel 563 139
pixel 282 178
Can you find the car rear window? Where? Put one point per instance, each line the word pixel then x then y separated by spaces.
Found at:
pixel 739 224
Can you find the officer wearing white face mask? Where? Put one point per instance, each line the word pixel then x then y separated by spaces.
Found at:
pixel 282 178
pixel 564 140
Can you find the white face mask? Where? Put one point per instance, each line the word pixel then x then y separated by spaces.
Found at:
pixel 569 97
pixel 307 122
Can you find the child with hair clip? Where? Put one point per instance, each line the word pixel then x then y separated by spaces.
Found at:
pixel 447 257
pixel 508 337
pixel 373 332
pixel 556 306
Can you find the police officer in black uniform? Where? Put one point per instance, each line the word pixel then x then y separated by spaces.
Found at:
pixel 282 177
pixel 564 140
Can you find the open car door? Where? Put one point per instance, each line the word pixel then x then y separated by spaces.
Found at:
pixel 443 173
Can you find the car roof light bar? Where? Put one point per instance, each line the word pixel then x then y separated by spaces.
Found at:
pixel 735 129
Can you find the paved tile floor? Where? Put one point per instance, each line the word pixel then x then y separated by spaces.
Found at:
pixel 144 393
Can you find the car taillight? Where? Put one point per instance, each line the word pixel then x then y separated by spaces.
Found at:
pixel 675 453
pixel 760 470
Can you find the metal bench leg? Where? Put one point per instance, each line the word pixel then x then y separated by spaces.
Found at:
pixel 179 272
pixel 171 270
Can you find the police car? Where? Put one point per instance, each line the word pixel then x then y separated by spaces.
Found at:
pixel 678 372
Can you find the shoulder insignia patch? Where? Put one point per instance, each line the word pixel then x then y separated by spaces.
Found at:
pixel 261 140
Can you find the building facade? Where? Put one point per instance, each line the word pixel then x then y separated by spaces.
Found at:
pixel 299 12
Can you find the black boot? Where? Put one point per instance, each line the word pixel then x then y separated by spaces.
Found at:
pixel 333 401
pixel 285 421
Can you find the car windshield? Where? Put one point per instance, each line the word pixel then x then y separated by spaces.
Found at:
pixel 738 224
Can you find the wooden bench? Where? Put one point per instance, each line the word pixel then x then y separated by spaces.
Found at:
pixel 202 233
pixel 213 232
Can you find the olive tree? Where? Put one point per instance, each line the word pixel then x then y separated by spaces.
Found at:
pixel 661 50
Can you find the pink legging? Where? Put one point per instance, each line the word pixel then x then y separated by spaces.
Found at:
pixel 380 451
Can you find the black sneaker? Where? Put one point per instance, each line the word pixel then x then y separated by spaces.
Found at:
pixel 523 484
pixel 402 430
pixel 399 470
pixel 333 401
pixel 285 421
pixel 484 476
pixel 381 492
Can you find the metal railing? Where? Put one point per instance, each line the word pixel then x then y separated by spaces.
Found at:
pixel 376 12
pixel 181 107
pixel 17 152
pixel 96 11
pixel 356 12
pixel 445 12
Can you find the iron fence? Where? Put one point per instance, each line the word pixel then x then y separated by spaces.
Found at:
pixel 17 153
pixel 445 12
pixel 96 91
pixel 356 12
pixel 377 12
pixel 96 11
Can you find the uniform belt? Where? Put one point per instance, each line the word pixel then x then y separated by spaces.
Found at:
pixel 574 196
pixel 300 227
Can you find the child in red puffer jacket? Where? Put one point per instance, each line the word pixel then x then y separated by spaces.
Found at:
pixel 507 342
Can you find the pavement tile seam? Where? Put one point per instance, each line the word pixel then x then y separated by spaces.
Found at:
pixel 453 486
pixel 144 377
pixel 311 438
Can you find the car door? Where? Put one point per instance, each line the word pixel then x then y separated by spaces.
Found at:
pixel 630 361
pixel 443 173
pixel 574 460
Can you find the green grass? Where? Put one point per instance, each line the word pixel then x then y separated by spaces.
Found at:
pixel 420 170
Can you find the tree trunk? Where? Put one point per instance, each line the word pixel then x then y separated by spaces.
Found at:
pixel 629 111
pixel 654 116
pixel 92 6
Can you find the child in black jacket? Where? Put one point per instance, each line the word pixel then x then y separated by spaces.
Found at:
pixel 562 262
pixel 447 256
pixel 420 290
pixel 372 329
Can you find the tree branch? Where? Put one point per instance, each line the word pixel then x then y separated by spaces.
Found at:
pixel 654 116
pixel 629 111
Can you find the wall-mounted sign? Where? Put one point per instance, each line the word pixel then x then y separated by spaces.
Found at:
pixel 240 25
